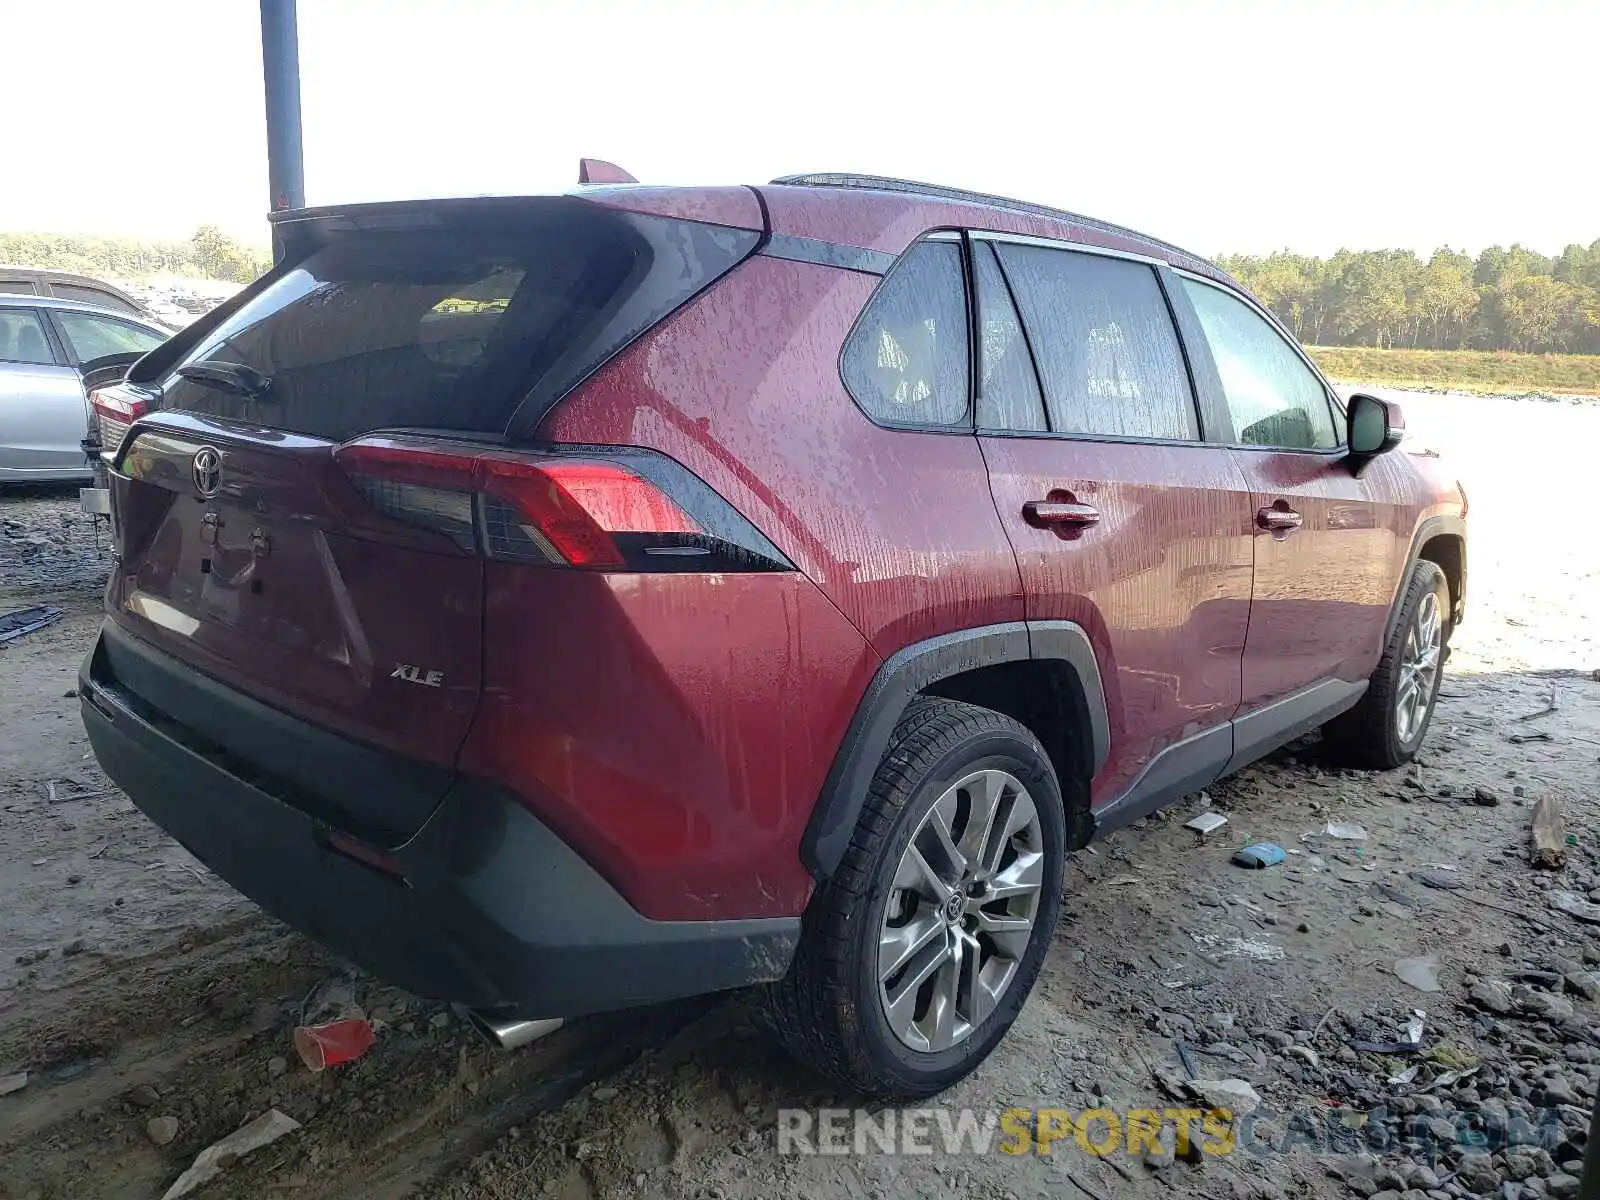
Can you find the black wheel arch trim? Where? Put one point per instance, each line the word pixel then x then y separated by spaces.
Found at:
pixel 1443 525
pixel 907 673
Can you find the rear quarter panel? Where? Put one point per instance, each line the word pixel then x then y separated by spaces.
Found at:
pixel 896 527
pixel 698 800
pixel 674 729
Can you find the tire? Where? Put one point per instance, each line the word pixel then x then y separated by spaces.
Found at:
pixel 1373 734
pixel 833 1009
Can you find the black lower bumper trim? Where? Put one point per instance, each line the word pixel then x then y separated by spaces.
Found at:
pixel 491 908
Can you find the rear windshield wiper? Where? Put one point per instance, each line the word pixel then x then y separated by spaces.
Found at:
pixel 229 377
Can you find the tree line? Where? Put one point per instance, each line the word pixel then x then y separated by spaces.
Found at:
pixel 209 254
pixel 1505 299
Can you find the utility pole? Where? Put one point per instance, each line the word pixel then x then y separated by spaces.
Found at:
pixel 280 69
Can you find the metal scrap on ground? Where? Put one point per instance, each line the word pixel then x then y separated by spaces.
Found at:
pixel 1551 706
pixel 24 621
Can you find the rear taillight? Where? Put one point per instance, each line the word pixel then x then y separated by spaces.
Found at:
pixel 601 508
pixel 115 408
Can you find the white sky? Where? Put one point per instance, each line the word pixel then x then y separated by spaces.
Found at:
pixel 1220 124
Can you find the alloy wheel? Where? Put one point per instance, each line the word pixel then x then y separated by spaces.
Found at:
pixel 1419 668
pixel 961 911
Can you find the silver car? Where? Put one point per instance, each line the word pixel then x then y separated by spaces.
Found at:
pixel 44 413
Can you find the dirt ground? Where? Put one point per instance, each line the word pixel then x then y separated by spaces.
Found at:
pixel 135 986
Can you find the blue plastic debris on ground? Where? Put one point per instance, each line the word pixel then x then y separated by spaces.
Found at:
pixel 1261 854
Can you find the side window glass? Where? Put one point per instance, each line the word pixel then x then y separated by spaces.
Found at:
pixel 1008 385
pixel 72 291
pixel 1273 397
pixel 1103 337
pixel 906 360
pixel 94 337
pixel 22 337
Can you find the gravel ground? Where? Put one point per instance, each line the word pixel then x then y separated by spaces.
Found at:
pixel 151 1007
pixel 48 545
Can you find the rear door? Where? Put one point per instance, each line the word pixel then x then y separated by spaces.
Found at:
pixel 1122 519
pixel 42 413
pixel 1326 541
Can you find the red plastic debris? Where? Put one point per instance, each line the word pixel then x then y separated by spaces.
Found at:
pixel 321 1046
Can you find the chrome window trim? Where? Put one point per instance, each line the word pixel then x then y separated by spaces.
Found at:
pixel 1028 239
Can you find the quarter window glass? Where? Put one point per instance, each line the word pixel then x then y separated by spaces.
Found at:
pixel 1273 397
pixel 18 287
pixel 1104 340
pixel 95 337
pixel 1008 386
pixel 906 361
pixel 22 337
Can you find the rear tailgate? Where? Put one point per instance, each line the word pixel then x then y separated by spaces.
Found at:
pixel 286 587
pixel 345 603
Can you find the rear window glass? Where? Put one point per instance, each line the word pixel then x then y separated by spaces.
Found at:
pixel 453 326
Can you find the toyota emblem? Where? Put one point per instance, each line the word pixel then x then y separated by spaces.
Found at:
pixel 207 471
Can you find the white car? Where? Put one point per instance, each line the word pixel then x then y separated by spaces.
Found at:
pixel 44 413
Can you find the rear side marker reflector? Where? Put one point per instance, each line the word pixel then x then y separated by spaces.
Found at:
pixel 366 855
pixel 599 508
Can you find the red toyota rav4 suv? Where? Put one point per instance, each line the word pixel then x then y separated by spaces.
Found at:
pixel 555 604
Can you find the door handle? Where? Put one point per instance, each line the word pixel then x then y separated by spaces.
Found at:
pixel 1278 518
pixel 1044 513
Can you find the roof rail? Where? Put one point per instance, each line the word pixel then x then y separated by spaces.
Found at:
pixel 882 183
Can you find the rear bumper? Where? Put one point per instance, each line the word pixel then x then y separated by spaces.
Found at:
pixel 488 907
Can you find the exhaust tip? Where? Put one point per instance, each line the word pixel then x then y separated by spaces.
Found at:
pixel 509 1035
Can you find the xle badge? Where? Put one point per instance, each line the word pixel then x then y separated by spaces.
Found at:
pixel 412 674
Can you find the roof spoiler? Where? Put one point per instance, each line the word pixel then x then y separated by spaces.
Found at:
pixel 598 170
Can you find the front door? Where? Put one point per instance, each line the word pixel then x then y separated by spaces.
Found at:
pixel 1326 541
pixel 1122 520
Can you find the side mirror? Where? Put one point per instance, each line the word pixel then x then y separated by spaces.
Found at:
pixel 1374 427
